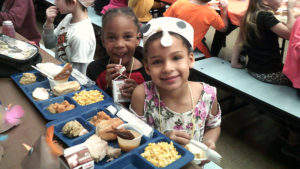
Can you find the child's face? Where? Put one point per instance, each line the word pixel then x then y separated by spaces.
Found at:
pixel 169 66
pixel 63 7
pixel 120 39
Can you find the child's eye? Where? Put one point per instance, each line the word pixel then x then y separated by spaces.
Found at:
pixel 177 57
pixel 155 62
pixel 110 38
pixel 128 37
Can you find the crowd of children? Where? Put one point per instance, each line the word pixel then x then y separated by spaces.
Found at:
pixel 156 76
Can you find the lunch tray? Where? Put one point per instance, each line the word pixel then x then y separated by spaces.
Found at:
pixel 42 106
pixel 129 160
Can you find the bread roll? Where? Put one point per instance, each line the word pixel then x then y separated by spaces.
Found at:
pixel 40 94
pixel 67 87
pixel 105 126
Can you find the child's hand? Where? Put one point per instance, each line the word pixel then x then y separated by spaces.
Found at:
pixel 112 71
pixel 223 4
pixel 290 4
pixel 51 14
pixel 180 137
pixel 237 65
pixel 211 145
pixel 128 87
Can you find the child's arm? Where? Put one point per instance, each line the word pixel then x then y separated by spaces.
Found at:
pixel 211 135
pixel 48 32
pixel 223 7
pixel 137 100
pixel 236 52
pixel 283 30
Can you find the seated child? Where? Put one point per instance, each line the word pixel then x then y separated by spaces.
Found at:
pixel 258 36
pixel 74 37
pixel 142 8
pixel 22 14
pixel 201 17
pixel 292 62
pixel 114 4
pixel 120 37
pixel 179 108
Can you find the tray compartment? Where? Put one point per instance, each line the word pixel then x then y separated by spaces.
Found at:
pixel 39 77
pixel 28 89
pixel 130 161
pixel 43 107
pixel 73 141
pixel 186 156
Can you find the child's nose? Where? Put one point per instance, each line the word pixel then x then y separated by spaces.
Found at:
pixel 168 66
pixel 120 42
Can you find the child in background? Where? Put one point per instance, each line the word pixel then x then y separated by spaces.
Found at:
pixel 22 14
pixel 201 17
pixel 120 37
pixel 292 62
pixel 74 37
pixel 258 35
pixel 142 8
pixel 179 108
pixel 114 4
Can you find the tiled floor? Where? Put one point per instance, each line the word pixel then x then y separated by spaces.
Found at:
pixel 249 140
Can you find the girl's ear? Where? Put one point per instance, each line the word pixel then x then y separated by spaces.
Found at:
pixel 146 65
pixel 191 60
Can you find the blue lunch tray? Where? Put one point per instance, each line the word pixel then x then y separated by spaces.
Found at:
pixel 43 105
pixel 129 160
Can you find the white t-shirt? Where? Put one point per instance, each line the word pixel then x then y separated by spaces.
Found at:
pixel 75 42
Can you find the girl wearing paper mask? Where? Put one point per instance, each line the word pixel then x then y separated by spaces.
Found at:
pixel 179 108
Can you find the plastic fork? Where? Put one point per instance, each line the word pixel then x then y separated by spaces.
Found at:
pixel 212 155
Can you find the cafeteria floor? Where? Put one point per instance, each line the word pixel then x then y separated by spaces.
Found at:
pixel 249 140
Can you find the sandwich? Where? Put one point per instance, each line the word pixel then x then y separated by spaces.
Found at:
pixel 66 87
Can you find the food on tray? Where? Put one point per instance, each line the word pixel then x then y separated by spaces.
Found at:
pixel 66 87
pixel 197 151
pixel 88 97
pixel 73 129
pixel 60 107
pixel 161 154
pixel 99 148
pixel 65 73
pixel 129 142
pixel 104 128
pixel 16 49
pixel 124 134
pixel 40 94
pixel 101 115
pixel 50 68
pixel 27 78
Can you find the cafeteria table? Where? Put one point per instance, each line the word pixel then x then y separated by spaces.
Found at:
pixel 33 123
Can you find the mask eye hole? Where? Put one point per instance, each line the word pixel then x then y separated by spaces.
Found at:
pixel 145 28
pixel 181 25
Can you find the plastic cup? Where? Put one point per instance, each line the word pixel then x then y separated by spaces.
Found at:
pixel 128 145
